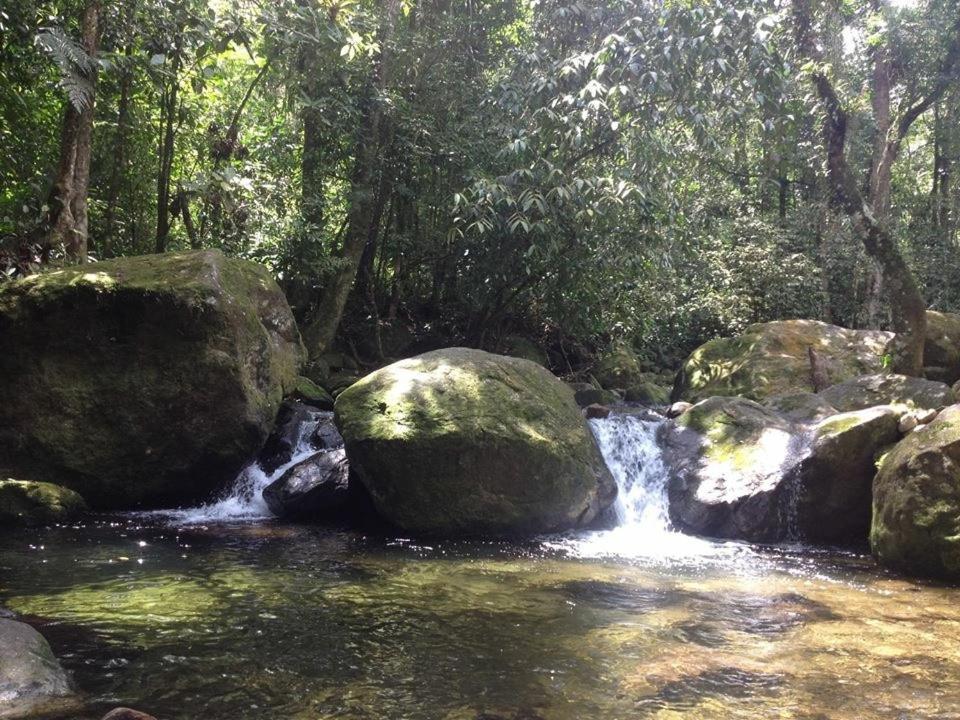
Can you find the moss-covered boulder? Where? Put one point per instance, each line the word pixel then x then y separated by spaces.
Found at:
pixel 829 492
pixel 888 389
pixel 463 442
pixel 728 458
pixel 916 501
pixel 25 502
pixel 310 393
pixel 32 683
pixel 648 393
pixel 619 368
pixel 743 471
pixel 143 381
pixel 520 347
pixel 941 351
pixel 586 394
pixel 780 358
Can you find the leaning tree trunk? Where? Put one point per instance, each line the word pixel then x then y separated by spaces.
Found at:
pixel 67 220
pixel 907 303
pixel 364 198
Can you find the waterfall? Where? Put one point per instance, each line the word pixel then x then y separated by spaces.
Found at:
pixel 243 500
pixel 629 446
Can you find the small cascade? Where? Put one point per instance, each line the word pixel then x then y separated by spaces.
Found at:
pixel 629 445
pixel 243 500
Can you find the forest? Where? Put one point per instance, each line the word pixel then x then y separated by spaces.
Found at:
pixel 479 359
pixel 578 174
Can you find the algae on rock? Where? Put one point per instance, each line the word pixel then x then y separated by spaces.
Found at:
pixel 463 442
pixel 143 381
pixel 916 501
pixel 780 358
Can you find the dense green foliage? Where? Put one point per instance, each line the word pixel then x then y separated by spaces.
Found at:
pixel 579 173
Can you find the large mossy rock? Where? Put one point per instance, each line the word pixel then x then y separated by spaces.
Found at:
pixel 941 351
pixel 830 491
pixel 32 683
pixel 143 381
pixel 25 502
pixel 463 442
pixel 775 359
pixel 888 389
pixel 743 471
pixel 916 501
pixel 728 459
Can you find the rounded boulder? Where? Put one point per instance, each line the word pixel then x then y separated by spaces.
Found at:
pixel 463 442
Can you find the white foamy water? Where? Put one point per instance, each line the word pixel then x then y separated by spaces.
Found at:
pixel 243 500
pixel 643 528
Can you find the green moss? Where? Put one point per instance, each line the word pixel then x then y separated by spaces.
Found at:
pixel 27 502
pixel 309 392
pixel 916 504
pixel 773 359
pixel 461 441
pixel 149 379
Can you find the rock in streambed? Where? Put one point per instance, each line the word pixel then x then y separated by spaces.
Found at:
pixel 464 442
pixel 144 381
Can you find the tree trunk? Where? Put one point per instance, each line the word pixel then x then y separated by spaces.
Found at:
pixel 68 221
pixel 363 201
pixel 906 302
pixel 165 170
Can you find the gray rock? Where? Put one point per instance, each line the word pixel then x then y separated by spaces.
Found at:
pixel 596 411
pixel 801 407
pixel 916 501
pixel 31 680
pixel 317 489
pixel 907 423
pixel 872 390
pixel 678 408
pixel 741 470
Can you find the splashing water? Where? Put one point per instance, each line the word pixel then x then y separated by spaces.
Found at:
pixel 243 501
pixel 643 529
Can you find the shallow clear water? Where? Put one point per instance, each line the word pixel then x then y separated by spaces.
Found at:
pixel 267 620
pixel 259 619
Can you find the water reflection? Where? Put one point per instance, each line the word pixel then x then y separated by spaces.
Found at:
pixel 280 621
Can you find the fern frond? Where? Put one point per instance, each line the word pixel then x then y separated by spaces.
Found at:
pixel 76 65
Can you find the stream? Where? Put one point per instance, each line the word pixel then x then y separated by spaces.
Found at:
pixel 222 612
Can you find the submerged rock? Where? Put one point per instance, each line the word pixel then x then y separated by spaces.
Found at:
pixel 887 389
pixel 143 381
pixel 916 501
pixel 780 358
pixel 463 442
pixel 740 470
pixel 317 490
pixel 32 682
pixel 25 502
